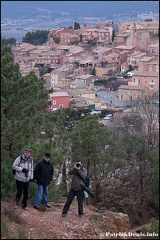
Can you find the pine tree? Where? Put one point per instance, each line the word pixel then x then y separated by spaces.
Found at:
pixel 24 100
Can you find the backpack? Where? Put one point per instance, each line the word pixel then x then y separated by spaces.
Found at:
pixel 13 170
pixel 87 182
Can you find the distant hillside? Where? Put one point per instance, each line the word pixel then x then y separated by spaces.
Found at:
pixel 19 17
pixel 103 9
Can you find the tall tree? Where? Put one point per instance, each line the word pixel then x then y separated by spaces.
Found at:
pixel 113 35
pixel 93 143
pixel 24 101
pixel 76 26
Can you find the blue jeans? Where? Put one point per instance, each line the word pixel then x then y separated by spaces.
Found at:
pixel 42 194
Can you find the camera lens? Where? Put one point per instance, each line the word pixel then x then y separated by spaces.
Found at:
pixel 78 165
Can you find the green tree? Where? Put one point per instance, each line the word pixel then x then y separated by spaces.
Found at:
pixel 94 71
pixel 153 185
pixel 93 143
pixel 57 40
pixel 38 37
pixel 10 41
pixel 113 35
pixel 24 103
pixel 76 26
pixel 131 68
pixel 70 27
pixel 81 36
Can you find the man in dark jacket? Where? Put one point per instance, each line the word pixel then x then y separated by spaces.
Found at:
pixel 43 174
pixel 76 188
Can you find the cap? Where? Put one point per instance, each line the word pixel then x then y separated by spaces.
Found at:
pixel 28 149
pixel 47 155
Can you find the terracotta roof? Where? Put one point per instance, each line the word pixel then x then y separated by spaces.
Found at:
pixel 145 74
pixel 129 87
pixel 59 94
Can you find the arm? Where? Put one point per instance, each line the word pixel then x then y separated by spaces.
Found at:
pixel 32 168
pixel 52 172
pixel 16 164
pixel 82 174
pixel 37 172
pixel 72 171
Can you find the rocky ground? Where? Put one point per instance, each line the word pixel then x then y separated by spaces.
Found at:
pixel 49 224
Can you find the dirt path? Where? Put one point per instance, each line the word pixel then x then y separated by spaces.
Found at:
pixel 50 224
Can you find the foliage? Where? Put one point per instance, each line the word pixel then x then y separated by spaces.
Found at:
pixel 7 179
pixel 10 42
pixel 81 37
pixel 148 20
pixel 76 26
pixel 153 186
pixel 70 27
pixel 93 143
pixel 134 189
pixel 23 116
pixel 153 230
pixel 94 71
pixel 113 35
pixel 8 217
pixel 57 39
pixel 131 68
pixel 38 37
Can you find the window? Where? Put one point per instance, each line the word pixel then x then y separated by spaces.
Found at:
pixel 54 102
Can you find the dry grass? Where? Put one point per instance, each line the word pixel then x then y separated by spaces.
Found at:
pixel 12 225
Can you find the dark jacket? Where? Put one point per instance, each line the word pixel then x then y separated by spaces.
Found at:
pixel 43 172
pixel 76 180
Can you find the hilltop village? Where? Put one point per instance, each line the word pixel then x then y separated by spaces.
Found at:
pixel 86 55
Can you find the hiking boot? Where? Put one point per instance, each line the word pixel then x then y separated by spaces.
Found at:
pixel 80 215
pixel 25 208
pixel 47 205
pixel 64 214
pixel 36 207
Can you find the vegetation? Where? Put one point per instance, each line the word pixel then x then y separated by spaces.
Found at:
pixel 135 190
pixel 9 42
pixel 131 68
pixel 76 26
pixel 94 71
pixel 38 37
pixel 70 27
pixel 131 145
pixel 8 215
pixel 57 39
pixel 113 35
pixel 153 231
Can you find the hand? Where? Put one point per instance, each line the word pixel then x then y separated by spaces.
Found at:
pixel 25 170
pixel 75 166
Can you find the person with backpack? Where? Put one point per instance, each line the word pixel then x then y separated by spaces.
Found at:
pixel 43 174
pixel 79 173
pixel 23 166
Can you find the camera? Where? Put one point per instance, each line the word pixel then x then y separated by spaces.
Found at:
pixel 78 165
pixel 26 174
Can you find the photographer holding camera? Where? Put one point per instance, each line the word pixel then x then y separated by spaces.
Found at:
pixel 23 165
pixel 76 188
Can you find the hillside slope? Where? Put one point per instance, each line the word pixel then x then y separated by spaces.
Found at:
pixel 49 224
